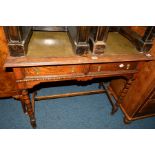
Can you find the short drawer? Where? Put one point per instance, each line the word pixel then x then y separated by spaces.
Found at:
pixel 56 70
pixel 113 67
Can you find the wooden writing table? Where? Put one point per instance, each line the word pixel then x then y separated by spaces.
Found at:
pixel 50 60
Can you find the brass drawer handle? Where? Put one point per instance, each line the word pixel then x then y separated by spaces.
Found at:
pixel 73 69
pixel 99 68
pixel 128 66
pixel 121 65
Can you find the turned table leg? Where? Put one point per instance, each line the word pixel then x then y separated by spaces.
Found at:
pixel 19 97
pixel 23 106
pixel 26 100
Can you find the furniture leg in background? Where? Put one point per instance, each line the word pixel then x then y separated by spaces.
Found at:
pixel 18 38
pixel 139 101
pixel 79 36
pixel 98 38
pixel 114 106
pixel 142 43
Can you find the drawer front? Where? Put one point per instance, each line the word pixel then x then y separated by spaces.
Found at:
pixel 56 70
pixel 113 67
pixel 79 69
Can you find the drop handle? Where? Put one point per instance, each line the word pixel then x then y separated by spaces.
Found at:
pixel 99 68
pixel 121 65
pixel 73 69
pixel 128 66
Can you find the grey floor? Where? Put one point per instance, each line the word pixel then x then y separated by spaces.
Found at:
pixel 82 112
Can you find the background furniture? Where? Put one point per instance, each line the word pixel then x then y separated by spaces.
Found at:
pixel 7 80
pixel 139 102
pixel 8 87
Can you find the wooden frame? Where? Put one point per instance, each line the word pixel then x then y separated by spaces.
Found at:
pixel 18 38
pixel 144 43
pixel 98 39
pixel 83 38
pixel 50 28
pixel 79 36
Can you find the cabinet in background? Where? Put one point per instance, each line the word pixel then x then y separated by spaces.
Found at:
pixel 139 102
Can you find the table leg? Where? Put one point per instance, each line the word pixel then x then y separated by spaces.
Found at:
pixel 23 106
pixel 19 97
pixel 27 102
